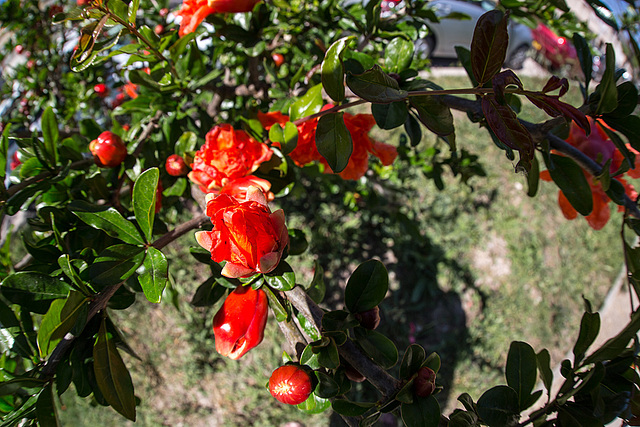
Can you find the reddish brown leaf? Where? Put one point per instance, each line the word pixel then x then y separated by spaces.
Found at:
pixel 489 45
pixel 504 123
pixel 501 80
pixel 554 83
pixel 554 107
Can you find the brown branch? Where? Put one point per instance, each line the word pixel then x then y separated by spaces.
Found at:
pixel 80 164
pixel 378 377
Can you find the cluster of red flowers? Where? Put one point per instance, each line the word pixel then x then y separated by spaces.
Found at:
pixel 601 149
pixel 226 161
pixel 358 125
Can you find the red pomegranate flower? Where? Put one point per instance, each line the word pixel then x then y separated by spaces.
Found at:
pixel 193 12
pixel 358 125
pixel 600 149
pixel 227 155
pixel 245 234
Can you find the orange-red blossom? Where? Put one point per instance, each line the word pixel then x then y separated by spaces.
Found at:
pixel 358 125
pixel 193 12
pixel 245 234
pixel 224 164
pixel 599 148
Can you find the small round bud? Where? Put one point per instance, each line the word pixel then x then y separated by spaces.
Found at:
pixel 290 384
pixel 108 150
pixel 278 59
pixel 176 166
pixel 164 12
pixel 369 319
pixel 19 49
pixel 159 29
pixel 101 90
pixel 425 382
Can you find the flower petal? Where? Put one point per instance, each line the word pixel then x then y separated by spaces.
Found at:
pixel 234 271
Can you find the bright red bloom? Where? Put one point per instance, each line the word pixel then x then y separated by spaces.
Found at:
pixel 239 324
pixel 599 148
pixel 278 59
pixel 290 384
pixel 227 155
pixel 358 125
pixel 108 150
pixel 193 12
pixel 245 234
pixel 238 188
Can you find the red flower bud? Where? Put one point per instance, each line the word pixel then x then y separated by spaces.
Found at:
pixel 19 49
pixel 118 101
pixel 15 161
pixel 290 384
pixel 108 150
pixel 159 29
pixel 30 64
pixel 278 59
pixel 369 319
pixel 176 166
pixel 164 12
pixel 101 90
pixel 239 324
pixel 425 382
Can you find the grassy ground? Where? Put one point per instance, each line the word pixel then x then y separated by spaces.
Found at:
pixel 471 270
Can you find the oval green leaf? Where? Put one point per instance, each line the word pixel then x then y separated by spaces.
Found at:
pixel 154 279
pixel 108 220
pixel 33 291
pixel 333 141
pixel 144 200
pixel 366 287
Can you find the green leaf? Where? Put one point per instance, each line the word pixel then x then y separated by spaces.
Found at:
pixel 279 310
pixel 58 321
pixel 33 291
pixel 282 278
pixel 498 407
pixel 616 345
pixel 46 412
pixel 380 348
pixel 627 100
pixel 208 293
pixel 317 288
pixel 398 55
pixel 310 103
pixel 115 264
pixel 112 375
pixel 309 358
pixel 390 116
pixel 287 137
pixel 132 11
pixel 328 356
pixel 366 287
pixel 332 70
pixel 12 338
pixel 154 279
pixel 187 142
pixel 374 85
pixel 334 141
pixel 25 411
pixel 606 93
pixel 570 178
pixel 521 370
pixel 327 387
pixel 351 409
pixel 589 328
pixel 144 200
pixel 108 220
pixel 435 115
pixel 423 412
pixel 314 405
pixel 412 361
pixel 489 45
pixel 4 151
pixel 50 135
pixel 543 359
pixel 584 56
pixel 533 178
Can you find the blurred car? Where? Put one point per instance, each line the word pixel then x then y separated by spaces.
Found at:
pixel 557 51
pixel 450 32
